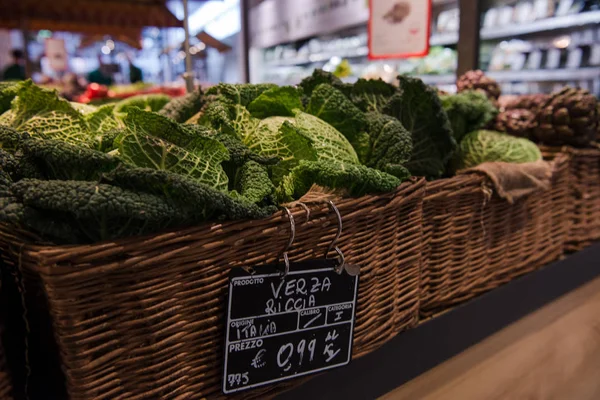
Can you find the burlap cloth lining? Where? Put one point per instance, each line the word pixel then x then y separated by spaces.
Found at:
pixel 513 181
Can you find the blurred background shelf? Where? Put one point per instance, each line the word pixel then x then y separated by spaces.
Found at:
pixel 543 25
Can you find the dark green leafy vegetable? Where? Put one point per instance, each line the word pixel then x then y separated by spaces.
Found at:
pixel 181 109
pixel 356 180
pixel 318 77
pixel 58 160
pixel 8 91
pixel 10 139
pixel 330 105
pixel 391 144
pixel 468 111
pixel 278 101
pixel 197 202
pixel 279 137
pixel 103 119
pixel 242 94
pixel 418 107
pixel 146 102
pixel 371 94
pixel 154 141
pixel 253 183
pixel 42 111
pixel 100 211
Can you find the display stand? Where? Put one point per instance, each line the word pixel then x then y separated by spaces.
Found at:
pixel 416 351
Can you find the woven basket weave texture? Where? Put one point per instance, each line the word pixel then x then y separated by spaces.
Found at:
pixel 584 194
pixel 143 317
pixel 475 241
pixel 5 378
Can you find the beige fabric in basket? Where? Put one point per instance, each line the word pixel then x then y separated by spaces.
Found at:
pixel 514 181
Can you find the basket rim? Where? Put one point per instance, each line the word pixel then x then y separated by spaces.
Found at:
pixel 45 252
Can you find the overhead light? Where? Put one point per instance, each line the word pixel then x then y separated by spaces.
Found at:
pixel 110 44
pixel 193 50
pixel 105 49
pixel 181 54
pixel 201 46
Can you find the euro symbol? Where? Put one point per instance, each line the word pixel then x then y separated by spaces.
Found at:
pixel 257 361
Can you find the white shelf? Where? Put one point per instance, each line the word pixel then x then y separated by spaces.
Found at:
pixel 543 25
pixel 509 31
pixel 443 39
pixel 555 75
pixel 442 79
pixel 361 51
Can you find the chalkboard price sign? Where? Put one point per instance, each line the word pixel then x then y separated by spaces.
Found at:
pixel 280 328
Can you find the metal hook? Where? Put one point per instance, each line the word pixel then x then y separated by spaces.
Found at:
pixel 332 246
pixel 290 241
pixel 305 209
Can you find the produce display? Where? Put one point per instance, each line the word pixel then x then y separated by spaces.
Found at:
pixel 77 173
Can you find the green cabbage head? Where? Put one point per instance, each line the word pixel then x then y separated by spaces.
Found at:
pixel 487 146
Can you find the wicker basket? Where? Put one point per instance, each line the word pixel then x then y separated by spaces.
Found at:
pixel 5 378
pixel 584 194
pixel 475 241
pixel 143 317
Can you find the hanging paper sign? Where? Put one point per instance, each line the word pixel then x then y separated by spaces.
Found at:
pixel 280 328
pixel 399 28
pixel 57 54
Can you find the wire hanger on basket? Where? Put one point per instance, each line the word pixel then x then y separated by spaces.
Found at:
pixel 286 259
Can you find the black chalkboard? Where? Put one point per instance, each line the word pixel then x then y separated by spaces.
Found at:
pixel 279 328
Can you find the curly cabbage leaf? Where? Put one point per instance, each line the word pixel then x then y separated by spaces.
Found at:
pixel 7 118
pixel 83 108
pixel 278 137
pixel 58 125
pixel 371 94
pixel 196 201
pixel 329 143
pixel 100 211
pixel 8 91
pixel 488 146
pixel 240 93
pixel 391 144
pixel 10 139
pixel 279 101
pixel 55 159
pixel 253 183
pixel 418 107
pixel 468 111
pixel 181 109
pixel 228 118
pixel 330 105
pixel 103 119
pixel 318 77
pixel 355 180
pixel 154 141
pixel 147 102
pixel 38 110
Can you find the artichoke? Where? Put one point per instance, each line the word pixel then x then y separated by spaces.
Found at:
pixel 569 116
pixel 517 122
pixel 531 102
pixel 477 80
